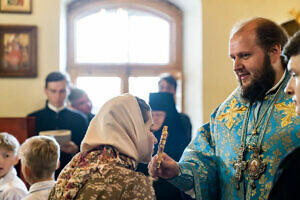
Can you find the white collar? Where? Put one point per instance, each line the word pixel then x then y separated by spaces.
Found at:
pixel 277 84
pixel 8 177
pixel 57 110
pixel 42 185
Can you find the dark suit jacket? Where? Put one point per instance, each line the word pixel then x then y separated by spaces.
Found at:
pixel 286 184
pixel 46 119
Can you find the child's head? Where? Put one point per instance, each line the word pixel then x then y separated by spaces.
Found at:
pixel 9 146
pixel 39 158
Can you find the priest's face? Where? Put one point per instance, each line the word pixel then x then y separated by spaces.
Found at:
pixel 251 65
pixel 56 92
pixel 293 86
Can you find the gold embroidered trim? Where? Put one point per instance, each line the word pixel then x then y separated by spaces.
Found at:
pixel 231 113
pixel 288 111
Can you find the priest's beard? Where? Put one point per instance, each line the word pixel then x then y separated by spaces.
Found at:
pixel 262 81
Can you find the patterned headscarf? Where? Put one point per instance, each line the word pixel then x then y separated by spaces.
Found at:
pixel 119 123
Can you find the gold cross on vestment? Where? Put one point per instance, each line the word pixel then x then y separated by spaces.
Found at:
pixel 231 113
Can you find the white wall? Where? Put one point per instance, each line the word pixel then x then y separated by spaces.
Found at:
pixel 192 59
pixel 19 96
pixel 218 18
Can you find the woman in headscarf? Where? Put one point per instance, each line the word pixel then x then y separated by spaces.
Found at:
pixel 117 139
pixel 164 113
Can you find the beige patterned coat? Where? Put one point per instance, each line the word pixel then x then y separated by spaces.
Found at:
pixel 102 174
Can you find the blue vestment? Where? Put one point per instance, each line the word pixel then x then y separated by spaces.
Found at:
pixel 207 163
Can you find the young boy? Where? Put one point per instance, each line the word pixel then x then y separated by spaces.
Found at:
pixel 39 158
pixel 11 187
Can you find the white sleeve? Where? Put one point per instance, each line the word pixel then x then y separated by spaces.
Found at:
pixel 14 194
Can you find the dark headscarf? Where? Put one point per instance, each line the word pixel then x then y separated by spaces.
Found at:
pixel 164 101
pixel 176 141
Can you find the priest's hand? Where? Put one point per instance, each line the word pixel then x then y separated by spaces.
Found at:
pixel 69 147
pixel 168 167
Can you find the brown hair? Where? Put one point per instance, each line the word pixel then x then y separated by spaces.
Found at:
pixel 75 94
pixel 55 77
pixel 41 155
pixel 268 33
pixel 169 78
pixel 9 142
pixel 144 107
pixel 293 46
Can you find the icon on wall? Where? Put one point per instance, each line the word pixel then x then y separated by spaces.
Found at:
pixel 18 51
pixel 15 6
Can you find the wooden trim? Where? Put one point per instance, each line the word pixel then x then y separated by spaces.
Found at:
pixel 164 9
pixel 21 127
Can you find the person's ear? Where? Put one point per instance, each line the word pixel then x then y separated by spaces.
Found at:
pixel 16 160
pixel 46 91
pixel 274 53
pixel 58 165
pixel 27 171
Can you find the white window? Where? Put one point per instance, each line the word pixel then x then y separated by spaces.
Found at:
pixel 122 36
pixel 123 44
pixel 99 89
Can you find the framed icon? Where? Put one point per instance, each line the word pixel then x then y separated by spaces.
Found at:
pixel 15 6
pixel 18 51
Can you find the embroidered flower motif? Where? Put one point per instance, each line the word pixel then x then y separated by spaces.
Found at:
pixel 231 113
pixel 288 111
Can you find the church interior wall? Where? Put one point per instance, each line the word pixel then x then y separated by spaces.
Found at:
pixel 208 76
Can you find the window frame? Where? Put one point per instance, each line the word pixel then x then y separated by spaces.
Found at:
pixel 169 12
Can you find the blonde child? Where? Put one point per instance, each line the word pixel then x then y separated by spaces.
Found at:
pixel 39 158
pixel 11 186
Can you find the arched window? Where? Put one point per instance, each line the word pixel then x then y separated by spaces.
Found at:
pixel 118 46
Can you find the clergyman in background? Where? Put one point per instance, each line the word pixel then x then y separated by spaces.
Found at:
pixel 80 101
pixel 57 116
pixel 168 83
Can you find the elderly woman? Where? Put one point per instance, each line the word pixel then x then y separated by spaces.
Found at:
pixel 164 113
pixel 117 139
